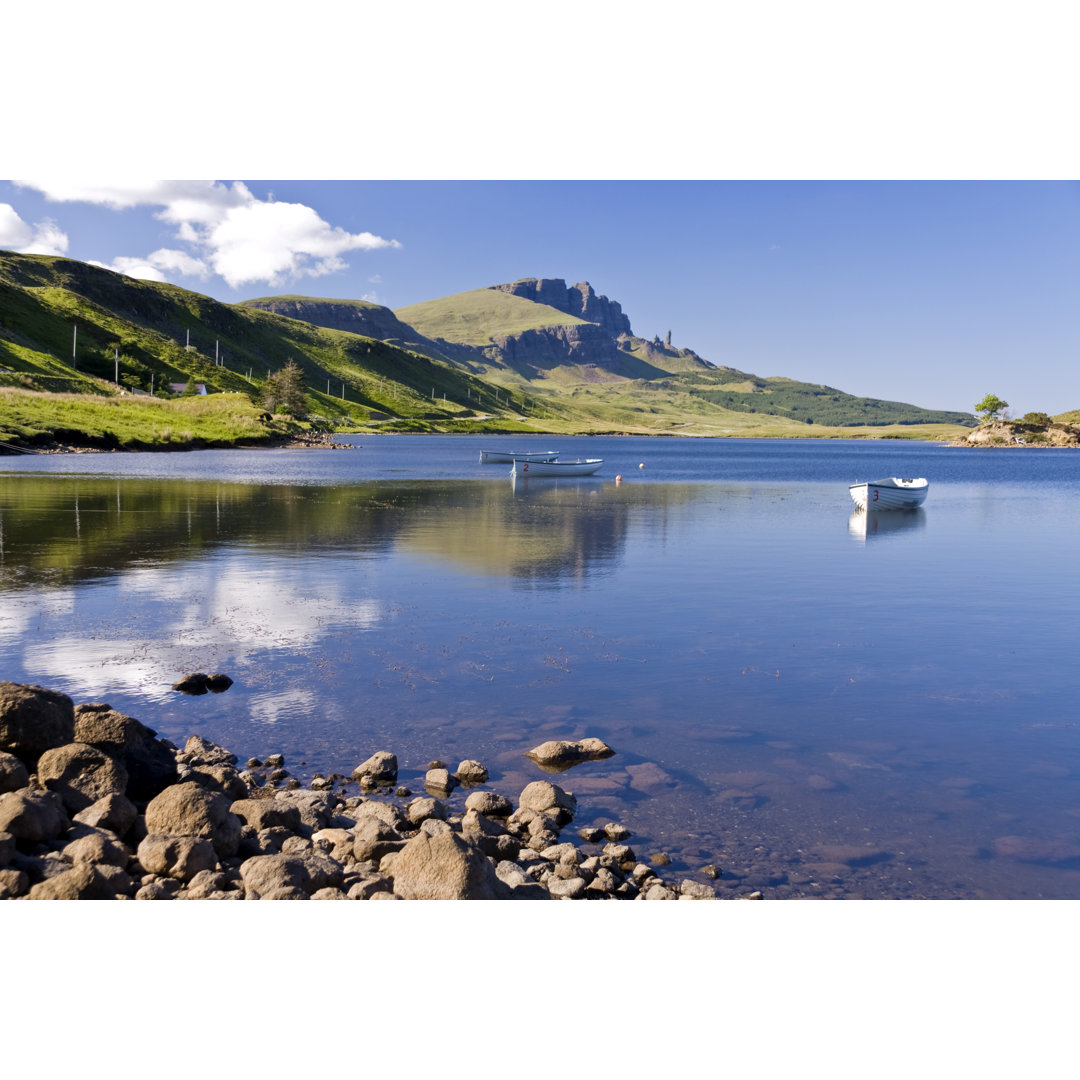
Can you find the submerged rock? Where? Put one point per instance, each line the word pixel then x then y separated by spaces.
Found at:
pixel 194 683
pixel 558 755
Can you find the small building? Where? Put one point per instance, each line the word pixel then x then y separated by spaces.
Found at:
pixel 180 387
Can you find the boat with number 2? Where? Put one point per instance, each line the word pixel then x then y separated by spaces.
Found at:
pixel 583 467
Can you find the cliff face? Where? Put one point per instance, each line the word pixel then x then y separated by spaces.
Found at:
pixel 583 345
pixel 369 320
pixel 580 300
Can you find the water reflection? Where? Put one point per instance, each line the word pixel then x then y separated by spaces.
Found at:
pixel 866 524
pixel 716 632
pixel 61 531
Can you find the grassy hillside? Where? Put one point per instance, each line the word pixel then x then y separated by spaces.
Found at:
pixel 68 326
pixel 808 403
pixel 474 318
pixel 31 417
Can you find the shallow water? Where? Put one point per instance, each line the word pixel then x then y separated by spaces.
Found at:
pixel 820 703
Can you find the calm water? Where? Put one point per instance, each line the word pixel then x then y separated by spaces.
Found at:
pixel 820 705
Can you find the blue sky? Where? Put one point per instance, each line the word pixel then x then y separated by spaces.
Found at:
pixel 932 292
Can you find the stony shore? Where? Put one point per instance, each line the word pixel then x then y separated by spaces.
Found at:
pixel 94 806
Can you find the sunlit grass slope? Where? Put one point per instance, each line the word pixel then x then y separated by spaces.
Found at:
pixel 476 317
pixel 129 422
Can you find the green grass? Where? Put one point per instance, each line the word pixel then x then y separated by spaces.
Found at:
pixel 149 326
pixel 476 317
pixel 133 423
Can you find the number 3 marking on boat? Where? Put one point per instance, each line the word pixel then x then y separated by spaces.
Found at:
pixel 875 499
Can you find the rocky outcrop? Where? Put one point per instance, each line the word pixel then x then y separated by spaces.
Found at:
pixel 1016 433
pixel 580 300
pixel 602 346
pixel 589 347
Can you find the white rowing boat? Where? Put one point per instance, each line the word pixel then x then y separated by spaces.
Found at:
pixel 505 457
pixel 583 467
pixel 893 493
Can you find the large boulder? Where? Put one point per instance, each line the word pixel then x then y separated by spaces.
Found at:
pixel 33 720
pixel 179 857
pixel 268 877
pixel 268 814
pixel 471 772
pixel 95 846
pixel 81 774
pixel 380 768
pixel 190 810
pixel 317 809
pixel 117 813
pixel 223 778
pixel 32 817
pixel 387 813
pixel 82 882
pixel 444 867
pixel 150 763
pixel 489 804
pixel 13 773
pixel 372 839
pixel 200 751
pixel 545 798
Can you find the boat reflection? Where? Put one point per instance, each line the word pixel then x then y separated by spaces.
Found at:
pixel 520 484
pixel 865 524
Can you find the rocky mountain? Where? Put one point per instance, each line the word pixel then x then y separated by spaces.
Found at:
pixel 571 329
pixel 579 300
pixel 540 334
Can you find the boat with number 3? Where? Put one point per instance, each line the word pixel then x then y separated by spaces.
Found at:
pixel 892 493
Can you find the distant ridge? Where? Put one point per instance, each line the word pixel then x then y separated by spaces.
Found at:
pixel 543 335
pixel 534 354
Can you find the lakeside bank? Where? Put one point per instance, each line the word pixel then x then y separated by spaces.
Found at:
pixel 94 806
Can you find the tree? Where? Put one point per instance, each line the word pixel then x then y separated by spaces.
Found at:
pixel 285 387
pixel 990 406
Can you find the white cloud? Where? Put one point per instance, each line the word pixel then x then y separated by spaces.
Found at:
pixel 180 261
pixel 132 267
pixel 242 238
pixel 42 238
pixel 275 241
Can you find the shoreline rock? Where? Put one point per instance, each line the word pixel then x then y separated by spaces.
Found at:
pixel 82 826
